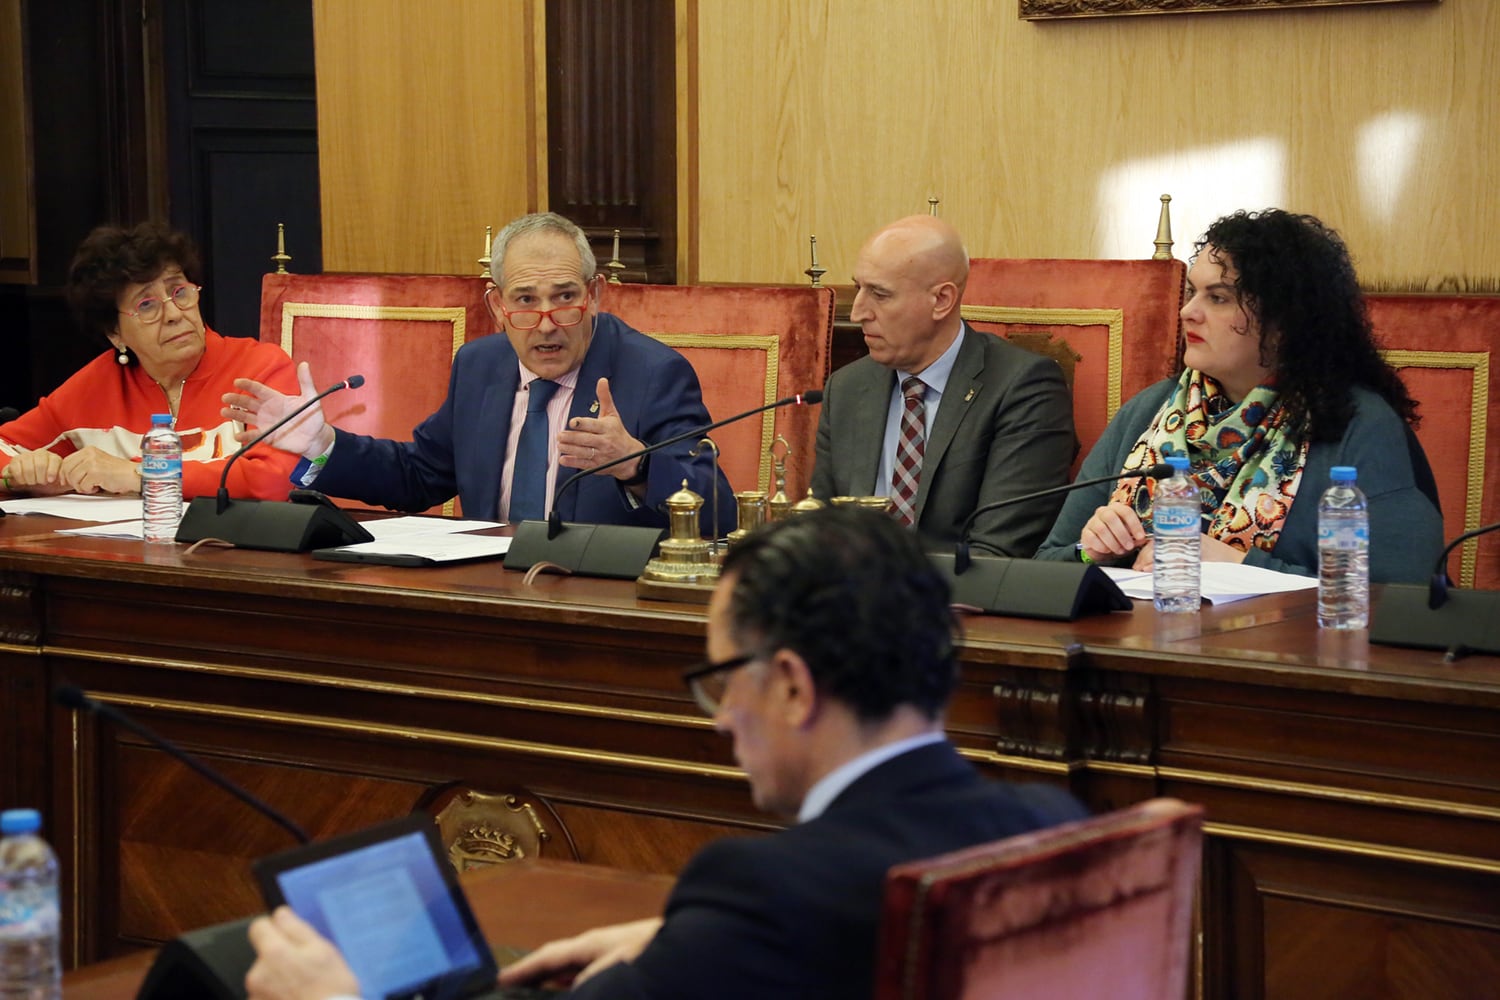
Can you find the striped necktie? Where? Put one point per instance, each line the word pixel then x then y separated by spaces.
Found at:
pixel 909 446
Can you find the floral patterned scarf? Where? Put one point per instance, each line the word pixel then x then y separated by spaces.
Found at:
pixel 1242 459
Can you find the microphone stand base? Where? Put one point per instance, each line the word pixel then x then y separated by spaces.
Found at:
pixel 610 550
pixel 1031 588
pixel 277 526
pixel 1468 622
pixel 209 964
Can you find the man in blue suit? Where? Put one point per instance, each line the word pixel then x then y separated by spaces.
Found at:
pixel 566 388
pixel 831 663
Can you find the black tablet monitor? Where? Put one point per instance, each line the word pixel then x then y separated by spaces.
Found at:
pixel 390 901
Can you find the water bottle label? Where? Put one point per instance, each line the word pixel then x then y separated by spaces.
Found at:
pixel 1175 520
pixel 1345 537
pixel 27 911
pixel 160 467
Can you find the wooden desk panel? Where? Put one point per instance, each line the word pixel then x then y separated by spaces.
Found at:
pixel 1353 792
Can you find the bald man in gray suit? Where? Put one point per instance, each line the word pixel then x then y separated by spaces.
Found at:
pixel 939 416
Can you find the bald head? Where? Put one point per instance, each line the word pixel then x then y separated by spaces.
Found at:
pixel 924 246
pixel 909 281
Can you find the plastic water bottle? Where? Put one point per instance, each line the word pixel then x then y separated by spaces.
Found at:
pixel 1343 553
pixel 29 968
pixel 161 480
pixel 1177 552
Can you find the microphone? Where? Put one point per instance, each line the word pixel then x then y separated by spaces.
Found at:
pixel 1439 615
pixel 961 556
pixel 1437 589
pixel 70 696
pixel 352 382
pixel 554 520
pixel 310 522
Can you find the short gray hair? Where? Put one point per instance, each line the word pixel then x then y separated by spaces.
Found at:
pixel 543 222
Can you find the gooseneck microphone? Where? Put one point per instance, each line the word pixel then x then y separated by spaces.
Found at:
pixel 352 382
pixel 961 556
pixel 554 520
pixel 70 696
pixel 1437 589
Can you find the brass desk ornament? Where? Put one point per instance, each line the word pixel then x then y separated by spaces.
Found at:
pixel 684 568
pixel 780 504
pixel 750 513
pixel 808 503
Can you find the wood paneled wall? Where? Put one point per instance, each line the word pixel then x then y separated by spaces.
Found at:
pixel 427 129
pixel 1048 139
pixel 1054 139
pixel 16 262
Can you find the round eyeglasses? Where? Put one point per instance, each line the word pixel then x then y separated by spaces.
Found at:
pixel 150 309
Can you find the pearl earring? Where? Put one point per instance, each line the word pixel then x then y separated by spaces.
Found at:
pixel 122 357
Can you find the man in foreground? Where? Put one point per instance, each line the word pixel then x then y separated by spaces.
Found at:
pixel 940 417
pixel 566 388
pixel 831 661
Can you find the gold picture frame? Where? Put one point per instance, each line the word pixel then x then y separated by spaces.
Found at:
pixel 1037 10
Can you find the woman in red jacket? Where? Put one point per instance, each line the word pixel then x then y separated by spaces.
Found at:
pixel 138 289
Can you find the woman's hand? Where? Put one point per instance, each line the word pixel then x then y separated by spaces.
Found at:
pixel 1112 533
pixel 90 470
pixel 1213 551
pixel 35 473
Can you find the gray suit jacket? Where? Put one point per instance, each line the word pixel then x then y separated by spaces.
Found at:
pixel 1004 428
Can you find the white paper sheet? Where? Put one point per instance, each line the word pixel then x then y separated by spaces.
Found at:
pixel 1220 582
pixel 77 507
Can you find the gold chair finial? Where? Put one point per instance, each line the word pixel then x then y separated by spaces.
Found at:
pixel 932 204
pixel 815 272
pixel 485 261
pixel 1164 230
pixel 614 265
pixel 281 257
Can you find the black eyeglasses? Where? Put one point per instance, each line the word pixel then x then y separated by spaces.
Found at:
pixel 708 681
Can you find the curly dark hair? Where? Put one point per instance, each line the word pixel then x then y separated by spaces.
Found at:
pixel 111 257
pixel 852 593
pixel 1296 279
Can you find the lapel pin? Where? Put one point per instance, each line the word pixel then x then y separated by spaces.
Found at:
pixel 968 397
pixel 595 407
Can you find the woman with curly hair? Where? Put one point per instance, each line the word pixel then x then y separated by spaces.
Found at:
pixel 138 290
pixel 1278 381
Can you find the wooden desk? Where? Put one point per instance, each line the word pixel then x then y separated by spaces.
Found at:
pixel 1353 792
pixel 521 906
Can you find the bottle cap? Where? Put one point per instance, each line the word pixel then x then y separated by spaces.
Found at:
pixel 1178 462
pixel 1342 474
pixel 161 419
pixel 20 821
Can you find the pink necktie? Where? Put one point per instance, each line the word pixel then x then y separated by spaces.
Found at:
pixel 909 447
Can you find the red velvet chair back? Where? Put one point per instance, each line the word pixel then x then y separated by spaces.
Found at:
pixel 750 346
pixel 1097 908
pixel 399 331
pixel 1116 320
pixel 1442 345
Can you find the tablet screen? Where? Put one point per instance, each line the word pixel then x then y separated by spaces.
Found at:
pixel 391 905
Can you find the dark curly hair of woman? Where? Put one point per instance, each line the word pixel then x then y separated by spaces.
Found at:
pixel 1295 277
pixel 112 257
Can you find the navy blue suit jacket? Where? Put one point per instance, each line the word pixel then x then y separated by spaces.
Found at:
pixel 460 449
pixel 797 914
